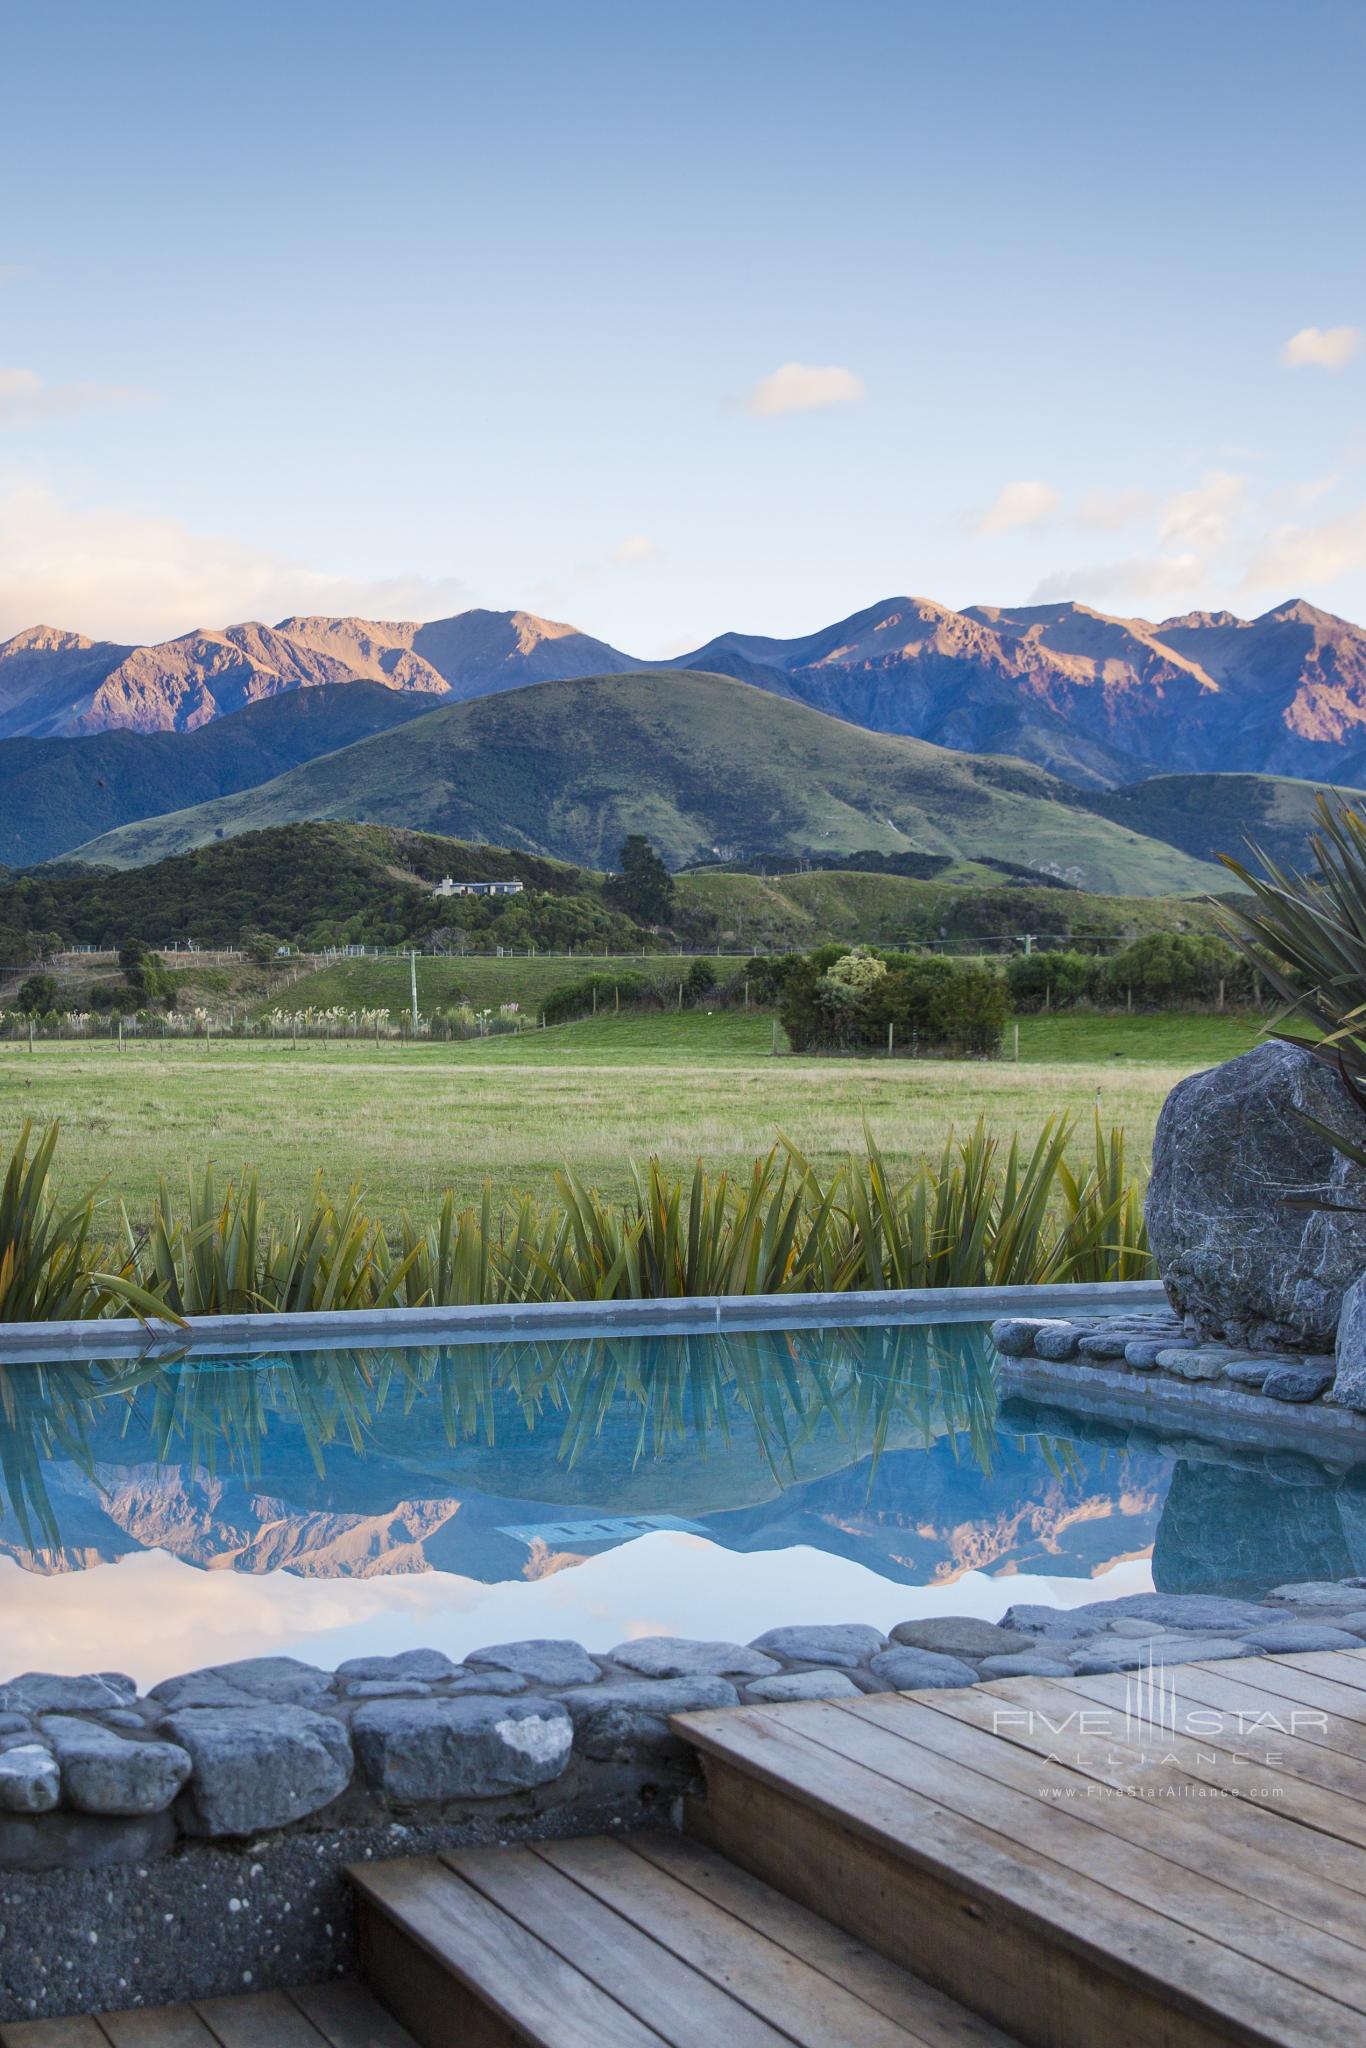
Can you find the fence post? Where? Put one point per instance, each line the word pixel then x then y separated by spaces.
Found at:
pixel 891 1030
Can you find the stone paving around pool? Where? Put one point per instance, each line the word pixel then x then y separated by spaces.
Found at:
pixel 532 1733
pixel 1158 1344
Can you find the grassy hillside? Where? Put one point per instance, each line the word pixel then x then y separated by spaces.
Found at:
pixel 322 883
pixel 693 761
pixel 1206 815
pixel 789 912
pixel 54 793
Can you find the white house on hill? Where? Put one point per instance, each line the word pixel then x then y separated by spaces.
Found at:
pixel 448 887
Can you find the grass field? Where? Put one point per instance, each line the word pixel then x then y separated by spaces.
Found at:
pixel 412 1120
pixel 441 982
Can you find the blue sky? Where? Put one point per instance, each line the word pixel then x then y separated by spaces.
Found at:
pixel 671 319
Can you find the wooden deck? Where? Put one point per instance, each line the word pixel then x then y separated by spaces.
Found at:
pixel 343 2014
pixel 1072 1863
pixel 643 1941
pixel 1076 1877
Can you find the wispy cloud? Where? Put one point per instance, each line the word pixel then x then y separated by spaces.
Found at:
pixel 1321 348
pixel 1112 511
pixel 1294 555
pixel 120 574
pixel 25 396
pixel 1019 505
pixel 1201 519
pixel 1134 579
pixel 805 387
pixel 637 547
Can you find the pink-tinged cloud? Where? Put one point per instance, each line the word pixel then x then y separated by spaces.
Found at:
pixel 805 387
pixel 1321 348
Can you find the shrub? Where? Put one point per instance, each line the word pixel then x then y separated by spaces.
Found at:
pixel 967 1012
pixel 37 995
pixel 928 1003
pixel 602 992
pixel 1053 981
pixel 1164 968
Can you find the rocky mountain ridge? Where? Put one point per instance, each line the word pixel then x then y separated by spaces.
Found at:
pixel 1099 700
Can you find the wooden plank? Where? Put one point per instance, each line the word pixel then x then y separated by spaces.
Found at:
pixel 1164 1827
pixel 1220 1995
pixel 165 2026
pixel 347 2015
pixel 1034 1977
pixel 938 2021
pixel 1300 1765
pixel 1126 1860
pixel 808 2008
pixel 1348 1667
pixel 680 2003
pixel 1287 1678
pixel 1242 1807
pixel 261 2019
pixel 436 2008
pixel 73 2033
pixel 521 1981
pixel 1258 1713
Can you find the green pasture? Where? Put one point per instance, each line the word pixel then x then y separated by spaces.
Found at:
pixel 409 1120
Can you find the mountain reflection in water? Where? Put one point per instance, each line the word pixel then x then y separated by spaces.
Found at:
pixel 513 1461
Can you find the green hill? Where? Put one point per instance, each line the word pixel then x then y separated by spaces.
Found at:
pixel 788 913
pixel 320 883
pixel 54 793
pixel 1206 815
pixel 695 762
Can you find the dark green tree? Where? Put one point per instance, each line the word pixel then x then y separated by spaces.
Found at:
pixel 146 974
pixel 644 889
pixel 37 995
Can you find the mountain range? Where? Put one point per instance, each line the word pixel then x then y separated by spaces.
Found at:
pixel 1097 699
pixel 699 763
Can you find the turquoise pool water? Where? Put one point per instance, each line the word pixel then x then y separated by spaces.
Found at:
pixel 159 1515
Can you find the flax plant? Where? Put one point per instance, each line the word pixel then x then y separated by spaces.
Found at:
pixel 987 1212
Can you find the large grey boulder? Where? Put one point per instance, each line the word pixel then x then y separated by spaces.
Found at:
pixel 1232 1154
pixel 260 1767
pixel 467 1748
pixel 1349 1381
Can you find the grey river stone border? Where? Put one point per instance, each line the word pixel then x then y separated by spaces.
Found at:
pixel 1146 1364
pixel 193 1841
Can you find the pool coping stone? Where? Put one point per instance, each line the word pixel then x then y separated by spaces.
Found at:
pixel 686 1315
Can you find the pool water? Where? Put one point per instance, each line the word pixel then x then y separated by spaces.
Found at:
pixel 155 1516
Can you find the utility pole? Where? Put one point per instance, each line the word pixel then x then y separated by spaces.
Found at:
pixel 412 969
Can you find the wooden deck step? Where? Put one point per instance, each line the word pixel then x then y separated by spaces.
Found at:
pixel 642 1941
pixel 990 1840
pixel 342 2014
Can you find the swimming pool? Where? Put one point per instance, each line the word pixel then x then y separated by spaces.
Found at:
pixel 160 1515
